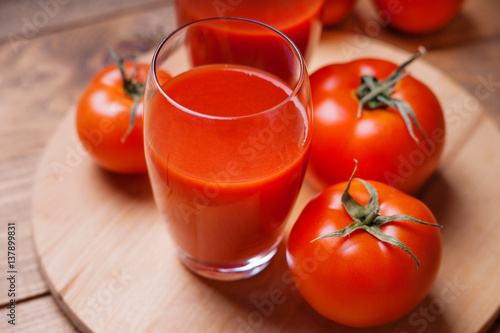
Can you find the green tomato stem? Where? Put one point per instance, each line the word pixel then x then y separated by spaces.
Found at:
pixel 369 217
pixel 373 94
pixel 131 87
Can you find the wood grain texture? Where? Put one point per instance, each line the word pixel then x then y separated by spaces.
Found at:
pixel 39 84
pixel 23 21
pixel 38 315
pixel 105 252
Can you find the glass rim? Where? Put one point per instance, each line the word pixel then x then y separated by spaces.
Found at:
pixel 295 90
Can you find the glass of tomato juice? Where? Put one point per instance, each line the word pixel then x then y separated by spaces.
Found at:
pixel 227 145
pixel 298 19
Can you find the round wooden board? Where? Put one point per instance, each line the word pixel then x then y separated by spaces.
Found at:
pixel 110 264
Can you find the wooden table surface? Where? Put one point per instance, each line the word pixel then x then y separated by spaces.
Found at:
pixel 50 49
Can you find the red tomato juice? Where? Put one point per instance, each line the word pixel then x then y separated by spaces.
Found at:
pixel 298 19
pixel 226 174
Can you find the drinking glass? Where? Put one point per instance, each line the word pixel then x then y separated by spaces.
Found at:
pixel 226 142
pixel 298 19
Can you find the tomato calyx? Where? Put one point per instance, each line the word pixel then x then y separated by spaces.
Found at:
pixel 374 94
pixel 368 217
pixel 132 88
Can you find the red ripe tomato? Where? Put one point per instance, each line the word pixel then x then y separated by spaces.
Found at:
pixel 418 16
pixel 103 118
pixel 335 11
pixel 359 280
pixel 379 137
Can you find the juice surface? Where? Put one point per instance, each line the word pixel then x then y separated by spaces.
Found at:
pixel 226 173
pixel 298 19
pixel 227 91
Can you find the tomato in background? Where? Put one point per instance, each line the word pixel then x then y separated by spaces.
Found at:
pixel 335 11
pixel 419 16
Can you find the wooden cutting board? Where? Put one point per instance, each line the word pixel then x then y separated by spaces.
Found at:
pixel 110 264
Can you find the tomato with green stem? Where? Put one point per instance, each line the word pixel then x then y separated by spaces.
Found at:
pixel 109 116
pixel 373 111
pixel 363 253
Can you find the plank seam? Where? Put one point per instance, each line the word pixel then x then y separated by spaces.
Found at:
pixel 92 20
pixel 27 299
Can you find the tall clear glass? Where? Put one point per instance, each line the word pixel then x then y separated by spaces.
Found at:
pixel 298 19
pixel 227 141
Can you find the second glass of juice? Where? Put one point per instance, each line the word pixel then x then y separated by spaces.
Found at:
pixel 298 19
pixel 227 144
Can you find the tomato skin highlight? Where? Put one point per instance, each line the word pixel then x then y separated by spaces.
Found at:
pixel 334 11
pixel 358 280
pixel 379 139
pixel 419 16
pixel 103 117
